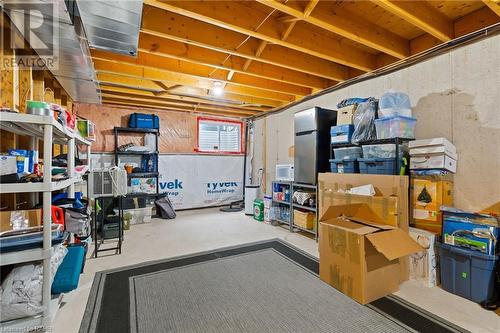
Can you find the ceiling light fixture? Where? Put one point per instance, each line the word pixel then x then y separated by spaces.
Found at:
pixel 218 88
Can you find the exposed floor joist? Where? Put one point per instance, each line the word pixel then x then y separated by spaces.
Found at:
pixel 268 53
pixel 422 15
pixel 237 16
pixel 147 73
pixel 348 26
pixel 494 5
pixel 202 98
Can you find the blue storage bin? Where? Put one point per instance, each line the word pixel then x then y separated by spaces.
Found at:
pixel 341 133
pixel 68 273
pixel 377 166
pixel 344 166
pixel 141 120
pixel 472 231
pixel 467 273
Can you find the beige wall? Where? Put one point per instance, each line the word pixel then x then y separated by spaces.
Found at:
pixel 455 95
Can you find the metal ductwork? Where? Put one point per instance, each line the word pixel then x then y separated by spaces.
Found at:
pixel 112 25
pixel 61 31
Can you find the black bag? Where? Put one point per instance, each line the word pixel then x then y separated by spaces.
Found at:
pixel 164 208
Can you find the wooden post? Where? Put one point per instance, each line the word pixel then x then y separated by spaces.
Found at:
pixel 38 85
pixel 25 88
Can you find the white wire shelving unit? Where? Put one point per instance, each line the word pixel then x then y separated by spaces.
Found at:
pixel 48 130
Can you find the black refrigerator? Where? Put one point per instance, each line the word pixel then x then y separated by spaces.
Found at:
pixel 312 143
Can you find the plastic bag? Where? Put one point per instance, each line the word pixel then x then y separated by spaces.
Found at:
pixel 394 103
pixel 364 122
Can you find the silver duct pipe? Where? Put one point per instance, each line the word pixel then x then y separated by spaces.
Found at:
pixel 62 33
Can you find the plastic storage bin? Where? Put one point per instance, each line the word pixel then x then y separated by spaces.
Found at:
pixel 341 134
pixel 142 120
pixel 394 103
pixel 395 127
pixel 347 153
pixel 68 274
pixel 383 150
pixel 344 166
pixel 377 166
pixel 139 215
pixel 467 273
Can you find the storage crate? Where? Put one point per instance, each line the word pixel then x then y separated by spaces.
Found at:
pixel 476 232
pixel 140 215
pixel 344 166
pixel 395 127
pixel 68 273
pixel 304 219
pixel 141 120
pixel 468 273
pixel 347 153
pixel 377 166
pixel 341 134
pixel 387 150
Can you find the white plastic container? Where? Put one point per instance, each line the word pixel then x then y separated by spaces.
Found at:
pixel 140 215
pixel 395 127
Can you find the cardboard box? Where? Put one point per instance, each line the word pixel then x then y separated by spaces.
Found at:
pixel 8 165
pixel 303 219
pixel 359 252
pixel 386 186
pixel 433 161
pixel 424 266
pixel 34 217
pixel 428 194
pixel 344 115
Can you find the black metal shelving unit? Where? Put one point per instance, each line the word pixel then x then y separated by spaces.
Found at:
pixel 144 174
pixel 397 141
pixel 153 174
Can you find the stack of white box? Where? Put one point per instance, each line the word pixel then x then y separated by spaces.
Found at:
pixel 436 153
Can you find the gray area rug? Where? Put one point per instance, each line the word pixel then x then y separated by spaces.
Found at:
pixel 260 291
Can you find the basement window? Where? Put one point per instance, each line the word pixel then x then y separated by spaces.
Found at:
pixel 219 136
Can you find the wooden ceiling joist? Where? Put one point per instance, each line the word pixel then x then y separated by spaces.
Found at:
pixel 150 73
pixel 168 103
pixel 268 53
pixel 118 78
pixel 348 26
pixel 180 98
pixel 172 64
pixel 241 17
pixel 125 102
pixel 421 15
pixel 216 59
pixel 494 5
pixel 183 29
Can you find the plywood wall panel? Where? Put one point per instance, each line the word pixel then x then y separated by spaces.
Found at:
pixel 177 129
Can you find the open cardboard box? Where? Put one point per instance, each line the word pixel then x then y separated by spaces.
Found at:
pixel 388 189
pixel 359 252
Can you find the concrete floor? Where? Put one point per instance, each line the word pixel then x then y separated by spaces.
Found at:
pixel 208 229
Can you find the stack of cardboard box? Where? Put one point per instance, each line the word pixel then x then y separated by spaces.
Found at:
pixel 433 162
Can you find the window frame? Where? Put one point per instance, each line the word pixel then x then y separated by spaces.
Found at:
pixel 221 121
